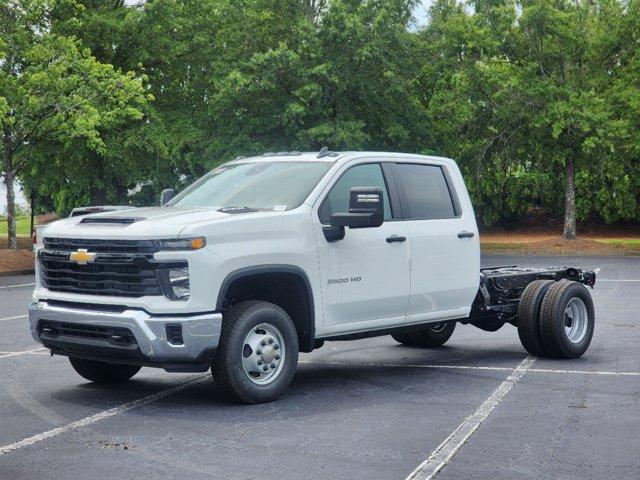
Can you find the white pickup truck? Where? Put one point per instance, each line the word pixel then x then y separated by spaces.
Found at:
pixel 266 257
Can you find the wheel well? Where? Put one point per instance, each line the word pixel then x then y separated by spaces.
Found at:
pixel 286 287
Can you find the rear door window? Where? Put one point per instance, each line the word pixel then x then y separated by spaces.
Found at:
pixel 424 191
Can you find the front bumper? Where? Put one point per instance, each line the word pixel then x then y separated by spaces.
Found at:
pixel 151 347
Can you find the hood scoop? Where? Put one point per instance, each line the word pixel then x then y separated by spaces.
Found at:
pixel 234 210
pixel 110 220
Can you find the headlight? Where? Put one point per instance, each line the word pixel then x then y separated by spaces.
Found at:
pixel 175 283
pixel 191 243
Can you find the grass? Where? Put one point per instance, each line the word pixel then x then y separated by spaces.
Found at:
pixel 620 242
pixel 502 246
pixel 23 225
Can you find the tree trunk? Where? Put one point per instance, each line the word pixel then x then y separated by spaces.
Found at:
pixel 569 232
pixel 11 211
pixel 8 182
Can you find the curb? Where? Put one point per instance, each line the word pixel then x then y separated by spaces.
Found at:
pixel 16 273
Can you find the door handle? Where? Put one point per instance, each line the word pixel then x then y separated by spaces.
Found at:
pixel 396 239
pixel 466 234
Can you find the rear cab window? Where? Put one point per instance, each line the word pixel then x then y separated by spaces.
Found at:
pixel 425 192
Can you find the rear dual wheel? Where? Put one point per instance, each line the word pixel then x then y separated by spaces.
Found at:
pixel 556 319
pixel 567 319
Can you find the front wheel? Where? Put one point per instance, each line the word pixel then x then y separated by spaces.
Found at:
pixel 435 335
pixel 102 372
pixel 257 354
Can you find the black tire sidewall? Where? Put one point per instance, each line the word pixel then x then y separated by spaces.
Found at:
pixel 103 372
pixel 552 325
pixel 567 347
pixel 442 336
pixel 529 330
pixel 242 387
pixel 427 338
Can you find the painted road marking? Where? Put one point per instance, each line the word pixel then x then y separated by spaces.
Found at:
pixel 469 367
pixel 448 448
pixel 14 317
pixel 30 351
pixel 17 285
pixel 100 416
pixel 614 280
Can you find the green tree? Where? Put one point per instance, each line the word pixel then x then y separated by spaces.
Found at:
pixel 533 92
pixel 53 91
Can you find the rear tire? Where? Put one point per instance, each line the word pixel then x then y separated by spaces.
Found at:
pixel 102 372
pixel 529 317
pixel 434 335
pixel 567 319
pixel 257 354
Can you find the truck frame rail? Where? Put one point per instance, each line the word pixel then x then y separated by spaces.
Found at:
pixel 501 288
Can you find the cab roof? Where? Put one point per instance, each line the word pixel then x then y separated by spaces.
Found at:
pixel 333 157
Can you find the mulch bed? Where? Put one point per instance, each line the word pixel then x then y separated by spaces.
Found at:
pixel 16 260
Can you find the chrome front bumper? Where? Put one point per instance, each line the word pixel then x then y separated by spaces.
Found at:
pixel 200 335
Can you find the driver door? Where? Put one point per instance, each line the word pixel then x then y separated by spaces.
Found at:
pixel 365 276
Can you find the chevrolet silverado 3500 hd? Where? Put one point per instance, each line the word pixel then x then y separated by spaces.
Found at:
pixel 266 257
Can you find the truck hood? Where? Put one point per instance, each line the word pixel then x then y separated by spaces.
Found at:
pixel 135 223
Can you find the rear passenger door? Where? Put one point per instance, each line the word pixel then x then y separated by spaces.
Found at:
pixel 443 240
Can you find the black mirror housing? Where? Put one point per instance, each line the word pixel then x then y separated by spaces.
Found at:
pixel 166 195
pixel 366 209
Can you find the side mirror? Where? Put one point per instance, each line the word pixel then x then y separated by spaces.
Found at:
pixel 166 195
pixel 366 209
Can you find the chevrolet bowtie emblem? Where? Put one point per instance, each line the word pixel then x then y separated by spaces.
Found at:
pixel 82 257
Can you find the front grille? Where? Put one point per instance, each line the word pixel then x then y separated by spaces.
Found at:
pixel 121 268
pixel 100 246
pixel 118 335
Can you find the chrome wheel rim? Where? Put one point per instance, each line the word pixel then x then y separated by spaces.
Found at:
pixel 576 320
pixel 263 353
pixel 438 327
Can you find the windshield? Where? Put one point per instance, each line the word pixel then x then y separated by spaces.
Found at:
pixel 262 186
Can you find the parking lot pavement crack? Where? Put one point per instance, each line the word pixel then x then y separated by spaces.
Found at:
pixel 428 469
pixel 101 416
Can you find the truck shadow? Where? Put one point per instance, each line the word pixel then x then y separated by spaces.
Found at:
pixel 348 385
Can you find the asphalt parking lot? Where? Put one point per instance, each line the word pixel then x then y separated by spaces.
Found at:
pixel 476 408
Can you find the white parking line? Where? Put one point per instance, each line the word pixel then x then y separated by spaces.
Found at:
pixel 468 367
pixel 17 285
pixel 616 280
pixel 585 372
pixel 100 416
pixel 448 448
pixel 15 317
pixel 30 351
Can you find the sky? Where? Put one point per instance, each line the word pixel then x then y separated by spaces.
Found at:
pixel 3 197
pixel 421 12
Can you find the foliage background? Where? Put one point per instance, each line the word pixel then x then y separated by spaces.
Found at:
pixel 517 91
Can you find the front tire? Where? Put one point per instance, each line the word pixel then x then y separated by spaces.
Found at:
pixel 102 372
pixel 435 335
pixel 567 319
pixel 257 354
